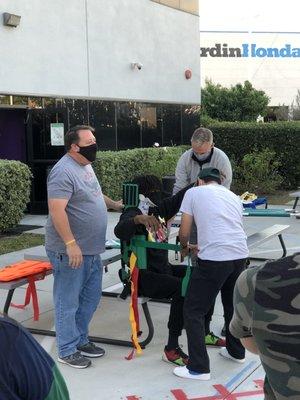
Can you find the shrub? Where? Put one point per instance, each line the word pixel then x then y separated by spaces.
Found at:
pixel 257 173
pixel 240 138
pixel 278 142
pixel 206 120
pixel 15 180
pixel 113 168
pixel 241 102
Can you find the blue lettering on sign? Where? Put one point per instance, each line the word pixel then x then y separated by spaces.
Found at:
pixel 250 50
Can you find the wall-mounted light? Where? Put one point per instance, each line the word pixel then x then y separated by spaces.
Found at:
pixel 188 73
pixel 136 65
pixel 11 19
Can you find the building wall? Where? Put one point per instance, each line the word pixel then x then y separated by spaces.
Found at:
pixel 275 71
pixel 84 49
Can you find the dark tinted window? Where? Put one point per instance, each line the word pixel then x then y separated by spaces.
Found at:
pixel 190 122
pixel 77 112
pixel 129 126
pixel 151 123
pixel 41 137
pixel 102 118
pixel 171 116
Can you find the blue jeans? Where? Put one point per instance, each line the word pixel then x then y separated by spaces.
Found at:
pixel 76 294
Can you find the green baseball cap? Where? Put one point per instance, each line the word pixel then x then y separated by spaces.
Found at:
pixel 210 174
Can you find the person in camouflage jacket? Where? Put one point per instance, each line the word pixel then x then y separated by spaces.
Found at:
pixel 267 320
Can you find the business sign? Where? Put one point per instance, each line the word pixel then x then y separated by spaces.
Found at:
pixel 57 134
pixel 249 50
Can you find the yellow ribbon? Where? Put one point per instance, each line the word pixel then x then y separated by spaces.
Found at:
pixel 132 263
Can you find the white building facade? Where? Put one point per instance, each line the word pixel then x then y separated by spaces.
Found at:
pixel 130 68
pixel 84 49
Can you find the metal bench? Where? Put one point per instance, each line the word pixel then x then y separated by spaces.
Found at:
pixel 263 236
pixel 253 240
pixel 108 257
pixel 113 255
pixel 296 195
pixel 39 253
pixel 11 286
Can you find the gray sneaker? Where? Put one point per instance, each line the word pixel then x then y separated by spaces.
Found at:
pixel 91 350
pixel 76 360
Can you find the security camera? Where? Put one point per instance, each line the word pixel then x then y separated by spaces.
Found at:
pixel 137 65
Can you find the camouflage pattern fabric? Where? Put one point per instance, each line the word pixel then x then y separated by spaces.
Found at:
pixel 267 307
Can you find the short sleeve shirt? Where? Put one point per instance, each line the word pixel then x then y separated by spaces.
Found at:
pixel 86 209
pixel 217 213
pixel 267 306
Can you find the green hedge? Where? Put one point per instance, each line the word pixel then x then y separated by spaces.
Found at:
pixel 257 173
pixel 115 167
pixel 15 180
pixel 238 139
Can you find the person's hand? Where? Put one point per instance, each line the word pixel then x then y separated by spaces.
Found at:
pixel 118 205
pixel 75 255
pixel 193 248
pixel 187 250
pixel 149 221
pixel 184 251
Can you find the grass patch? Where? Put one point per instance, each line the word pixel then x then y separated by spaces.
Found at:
pixel 20 242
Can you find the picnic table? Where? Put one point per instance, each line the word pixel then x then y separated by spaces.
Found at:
pixel 270 212
pixel 113 255
pixel 108 257
pixel 296 195
pixel 250 212
pixel 258 237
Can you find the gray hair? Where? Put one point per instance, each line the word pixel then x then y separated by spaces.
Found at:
pixel 202 135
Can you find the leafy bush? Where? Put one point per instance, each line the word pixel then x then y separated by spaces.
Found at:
pixel 206 120
pixel 241 102
pixel 240 138
pixel 15 180
pixel 257 173
pixel 269 146
pixel 113 168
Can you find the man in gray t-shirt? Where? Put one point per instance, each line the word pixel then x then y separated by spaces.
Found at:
pixel 86 209
pixel 75 238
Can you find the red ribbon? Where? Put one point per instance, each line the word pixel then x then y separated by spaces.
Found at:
pixel 30 294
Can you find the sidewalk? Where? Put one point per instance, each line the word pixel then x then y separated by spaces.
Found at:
pixel 147 377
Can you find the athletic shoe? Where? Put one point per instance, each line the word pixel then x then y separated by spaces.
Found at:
pixel 214 341
pixel 224 353
pixel 91 350
pixel 175 356
pixel 183 372
pixel 75 360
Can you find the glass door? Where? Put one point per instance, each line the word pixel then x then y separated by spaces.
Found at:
pixel 41 154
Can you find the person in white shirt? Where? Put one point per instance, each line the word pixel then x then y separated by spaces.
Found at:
pixel 203 154
pixel 222 255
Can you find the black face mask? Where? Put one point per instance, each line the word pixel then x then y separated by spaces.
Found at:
pixel 89 152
